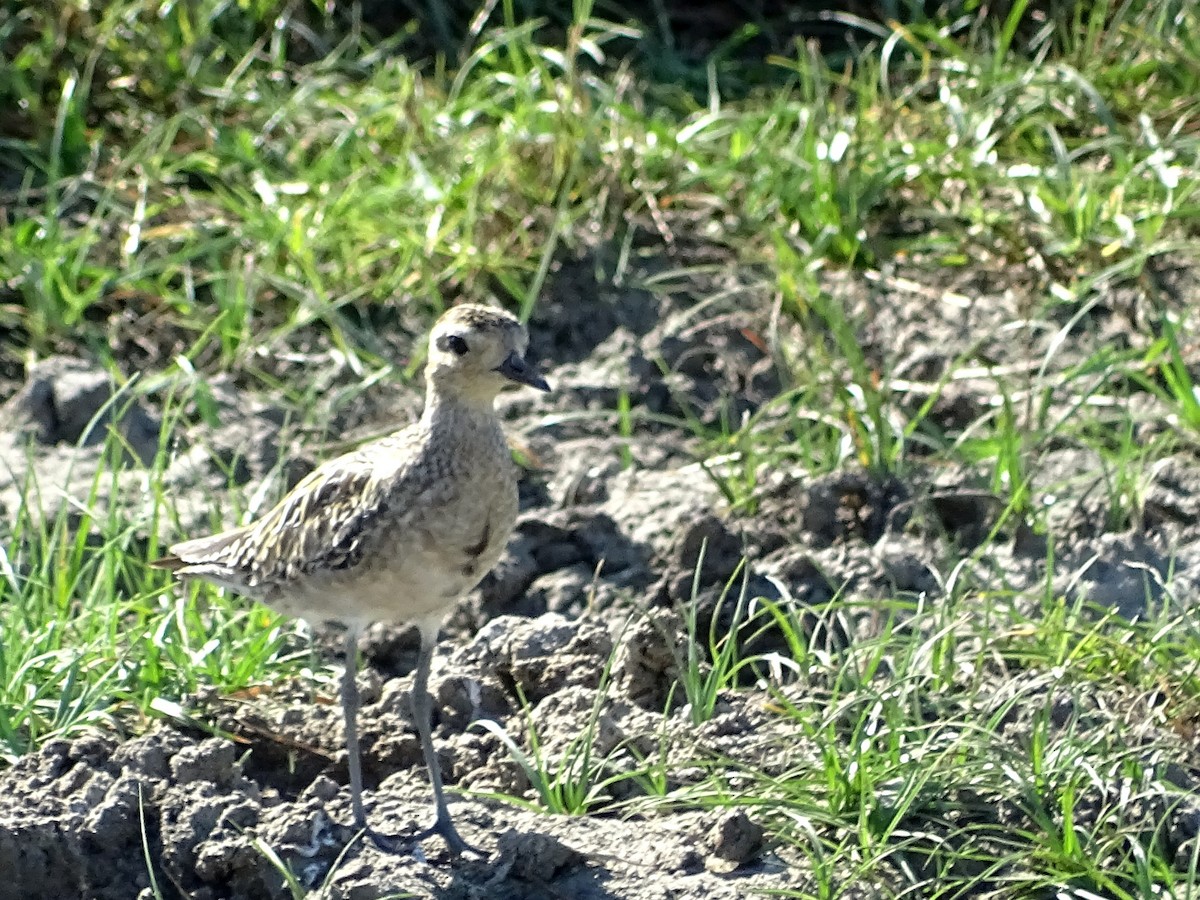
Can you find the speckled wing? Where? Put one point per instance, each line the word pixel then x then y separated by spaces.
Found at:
pixel 324 524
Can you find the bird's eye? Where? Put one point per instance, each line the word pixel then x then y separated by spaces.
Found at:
pixel 455 344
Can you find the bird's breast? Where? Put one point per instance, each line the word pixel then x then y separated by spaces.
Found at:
pixel 437 534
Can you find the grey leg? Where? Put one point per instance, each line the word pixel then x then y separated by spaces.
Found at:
pixel 422 712
pixel 350 705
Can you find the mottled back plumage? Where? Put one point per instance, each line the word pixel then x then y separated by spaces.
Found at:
pixel 400 528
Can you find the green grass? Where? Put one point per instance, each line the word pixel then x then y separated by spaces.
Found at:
pixel 90 636
pixel 258 179
pixel 575 779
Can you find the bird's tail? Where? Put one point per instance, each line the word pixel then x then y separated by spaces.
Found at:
pixel 201 550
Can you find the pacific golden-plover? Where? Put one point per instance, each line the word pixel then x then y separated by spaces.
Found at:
pixel 396 531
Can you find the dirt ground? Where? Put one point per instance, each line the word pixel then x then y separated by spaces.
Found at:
pixel 606 549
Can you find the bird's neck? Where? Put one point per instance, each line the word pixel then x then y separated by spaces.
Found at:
pixel 459 411
pixel 475 395
pixel 472 428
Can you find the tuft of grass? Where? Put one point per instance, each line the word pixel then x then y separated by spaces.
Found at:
pixel 573 781
pixel 712 660
pixel 89 636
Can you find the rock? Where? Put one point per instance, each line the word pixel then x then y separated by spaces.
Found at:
pixel 70 401
pixel 733 841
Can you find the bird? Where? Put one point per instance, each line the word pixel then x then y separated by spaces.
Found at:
pixel 395 531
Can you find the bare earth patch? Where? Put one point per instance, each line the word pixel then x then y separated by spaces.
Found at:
pixel 619 534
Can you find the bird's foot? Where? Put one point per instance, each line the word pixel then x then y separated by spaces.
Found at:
pixel 443 826
pixel 385 844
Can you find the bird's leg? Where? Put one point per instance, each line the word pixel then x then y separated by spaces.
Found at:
pixel 350 705
pixel 422 712
pixel 442 824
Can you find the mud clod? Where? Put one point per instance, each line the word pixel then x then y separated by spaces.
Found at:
pixel 735 839
pixel 539 858
pixel 70 401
